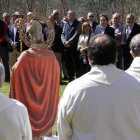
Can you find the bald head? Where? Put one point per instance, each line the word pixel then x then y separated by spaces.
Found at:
pixel 135 45
pixel 102 50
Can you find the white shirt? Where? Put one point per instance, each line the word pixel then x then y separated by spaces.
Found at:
pixel 129 30
pixel 83 40
pixel 14 120
pixel 134 69
pixel 103 104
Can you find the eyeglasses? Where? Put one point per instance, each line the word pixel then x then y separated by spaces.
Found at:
pixel 86 27
pixel 91 16
pixel 6 17
pixel 56 14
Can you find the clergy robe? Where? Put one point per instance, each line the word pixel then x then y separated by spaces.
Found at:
pixel 103 104
pixel 14 120
pixel 35 82
pixel 134 68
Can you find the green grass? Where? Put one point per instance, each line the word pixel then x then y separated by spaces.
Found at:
pixel 6 89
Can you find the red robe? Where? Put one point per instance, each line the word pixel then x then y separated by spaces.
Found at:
pixel 35 82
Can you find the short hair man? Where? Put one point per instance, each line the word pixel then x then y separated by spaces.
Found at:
pixel 57 45
pixel 62 24
pixel 104 27
pixel 102 104
pixel 59 22
pixel 6 18
pixel 69 37
pixel 117 27
pixel 14 120
pixel 134 68
pixel 93 23
pixel 129 30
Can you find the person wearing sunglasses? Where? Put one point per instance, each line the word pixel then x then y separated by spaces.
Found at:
pixel 90 18
pixel 6 18
pixel 83 45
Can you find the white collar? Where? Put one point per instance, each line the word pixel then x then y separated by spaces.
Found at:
pixel 106 74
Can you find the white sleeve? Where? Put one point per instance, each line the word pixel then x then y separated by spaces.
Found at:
pixel 64 126
pixel 28 131
pixel 79 43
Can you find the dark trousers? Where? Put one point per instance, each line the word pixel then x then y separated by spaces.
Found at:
pixel 127 58
pixel 72 63
pixel 4 56
pixel 119 62
pixel 84 67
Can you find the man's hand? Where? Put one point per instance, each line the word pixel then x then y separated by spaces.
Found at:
pixel 14 45
pixel 66 44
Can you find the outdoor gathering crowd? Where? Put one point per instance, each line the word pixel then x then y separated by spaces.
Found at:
pixel 102 103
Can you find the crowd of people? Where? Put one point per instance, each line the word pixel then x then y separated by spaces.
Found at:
pixel 102 103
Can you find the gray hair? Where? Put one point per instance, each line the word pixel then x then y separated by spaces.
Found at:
pixel 2 74
pixel 116 14
pixel 131 15
pixel 6 13
pixel 135 45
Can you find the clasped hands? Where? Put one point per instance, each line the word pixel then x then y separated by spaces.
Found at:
pixel 66 44
pixel 14 45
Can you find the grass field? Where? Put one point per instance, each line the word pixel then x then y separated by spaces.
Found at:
pixel 6 89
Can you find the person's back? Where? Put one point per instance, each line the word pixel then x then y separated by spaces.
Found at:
pixel 134 68
pixel 103 104
pixel 35 82
pixel 14 120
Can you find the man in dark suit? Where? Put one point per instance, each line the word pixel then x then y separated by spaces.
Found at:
pixel 90 18
pixel 4 50
pixel 129 30
pixel 104 27
pixel 69 37
pixel 57 45
pixel 12 37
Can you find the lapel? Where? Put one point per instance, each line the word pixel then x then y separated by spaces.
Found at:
pixel 106 30
pixel 12 31
pixel 133 30
pixel 124 33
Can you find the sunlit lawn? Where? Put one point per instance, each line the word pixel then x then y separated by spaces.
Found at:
pixel 6 88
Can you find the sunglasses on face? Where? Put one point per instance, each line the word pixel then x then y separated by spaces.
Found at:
pixel 56 14
pixel 87 27
pixel 6 17
pixel 91 16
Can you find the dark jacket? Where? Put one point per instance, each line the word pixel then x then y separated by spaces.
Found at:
pixel 10 39
pixel 125 44
pixel 57 43
pixel 2 24
pixel 94 24
pixel 135 31
pixel 71 33
pixel 110 31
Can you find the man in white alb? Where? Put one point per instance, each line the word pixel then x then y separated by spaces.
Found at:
pixel 14 120
pixel 103 104
pixel 134 68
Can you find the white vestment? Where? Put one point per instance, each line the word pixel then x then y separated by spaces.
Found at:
pixel 134 69
pixel 14 121
pixel 103 104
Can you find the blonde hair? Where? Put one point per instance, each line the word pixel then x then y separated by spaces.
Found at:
pixel 85 24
